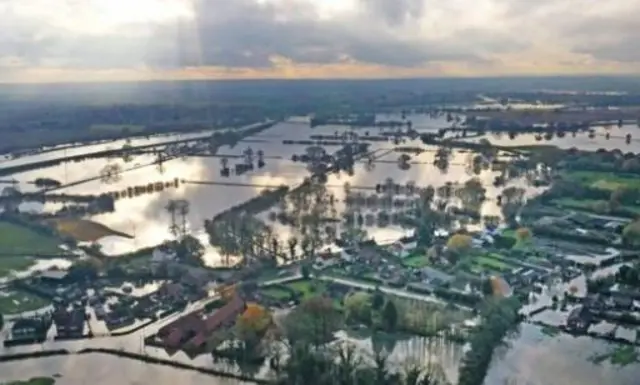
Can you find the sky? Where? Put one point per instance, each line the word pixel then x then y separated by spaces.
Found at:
pixel 136 40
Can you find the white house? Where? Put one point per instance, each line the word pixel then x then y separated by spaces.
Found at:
pixel 336 252
pixel 403 250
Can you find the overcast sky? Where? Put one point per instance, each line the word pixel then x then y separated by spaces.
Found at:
pixel 79 40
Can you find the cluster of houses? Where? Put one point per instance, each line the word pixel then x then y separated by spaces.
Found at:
pixel 67 323
pixel 616 306
pixel 73 301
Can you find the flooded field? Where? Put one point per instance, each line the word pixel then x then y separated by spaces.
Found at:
pixel 581 141
pixel 533 358
pixel 144 215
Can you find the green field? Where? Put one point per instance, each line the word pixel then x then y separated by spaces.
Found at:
pixel 275 293
pixel 9 264
pixel 589 205
pixel 603 180
pixel 308 288
pixel 22 240
pixel 491 263
pixel 17 302
pixel 416 261
pixel 33 381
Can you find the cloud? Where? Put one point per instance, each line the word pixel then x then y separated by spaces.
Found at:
pixel 395 12
pixel 259 35
pixel 250 34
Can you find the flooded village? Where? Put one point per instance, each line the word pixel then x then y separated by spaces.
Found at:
pixel 415 235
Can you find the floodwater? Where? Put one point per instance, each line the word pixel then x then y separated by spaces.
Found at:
pixel 54 153
pixel 437 353
pixel 532 358
pixel 145 217
pixel 581 141
pixel 101 369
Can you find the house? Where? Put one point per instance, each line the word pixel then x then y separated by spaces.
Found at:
pixel 224 316
pixel 69 323
pixel 621 302
pixel 403 247
pixel 173 291
pixel 30 329
pixel 193 331
pixel 176 327
pixel 435 277
pixel 421 288
pixel 55 277
pixel 195 277
pixel 579 319
pixel 335 251
pixel 594 303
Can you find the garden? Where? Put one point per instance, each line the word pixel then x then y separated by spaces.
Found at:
pixel 22 240
pixel 16 302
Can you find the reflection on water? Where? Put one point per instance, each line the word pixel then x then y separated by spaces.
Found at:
pixel 412 351
pixel 98 369
pixel 108 145
pixel 580 141
pixel 145 216
pixel 533 358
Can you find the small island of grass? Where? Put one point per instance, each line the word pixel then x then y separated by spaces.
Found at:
pixel 32 381
pixel 84 230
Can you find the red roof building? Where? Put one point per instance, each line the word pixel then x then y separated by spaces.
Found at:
pixel 224 316
pixel 178 324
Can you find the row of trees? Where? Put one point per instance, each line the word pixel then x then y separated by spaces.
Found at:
pixel 304 354
pixel 342 365
pixel 372 310
pixel 499 317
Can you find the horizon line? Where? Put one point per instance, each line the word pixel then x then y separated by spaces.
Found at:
pixel 328 79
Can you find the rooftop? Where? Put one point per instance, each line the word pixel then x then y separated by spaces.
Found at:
pixel 54 274
pixel 436 274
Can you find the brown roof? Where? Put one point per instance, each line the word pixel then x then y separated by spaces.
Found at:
pixel 173 340
pixel 180 323
pixel 221 316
